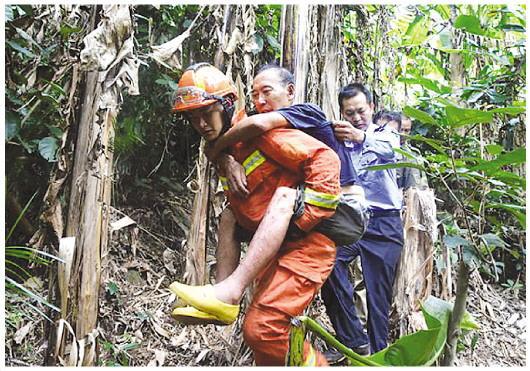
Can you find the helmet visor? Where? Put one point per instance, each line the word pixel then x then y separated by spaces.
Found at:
pixel 188 97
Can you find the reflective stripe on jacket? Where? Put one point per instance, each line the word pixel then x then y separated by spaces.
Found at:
pixel 285 157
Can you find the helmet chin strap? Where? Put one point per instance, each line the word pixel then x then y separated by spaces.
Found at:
pixel 228 113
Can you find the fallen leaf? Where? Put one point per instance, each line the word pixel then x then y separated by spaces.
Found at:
pixel 512 319
pixel 169 257
pixel 201 355
pixel 33 283
pixel 159 329
pixel 22 332
pixel 181 339
pixel 122 223
pixel 160 357
pixel 521 323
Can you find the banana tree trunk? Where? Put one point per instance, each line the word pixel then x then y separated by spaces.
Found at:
pixel 295 30
pixel 109 58
pixel 413 282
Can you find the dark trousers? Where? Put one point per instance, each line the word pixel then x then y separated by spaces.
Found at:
pixel 380 249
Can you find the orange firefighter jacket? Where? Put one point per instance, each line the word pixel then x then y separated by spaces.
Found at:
pixel 285 157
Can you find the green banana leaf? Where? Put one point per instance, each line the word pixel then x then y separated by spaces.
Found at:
pixel 421 348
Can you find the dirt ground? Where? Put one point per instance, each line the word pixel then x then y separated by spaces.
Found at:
pixel 136 329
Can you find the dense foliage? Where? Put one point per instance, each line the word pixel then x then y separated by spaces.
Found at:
pixel 459 71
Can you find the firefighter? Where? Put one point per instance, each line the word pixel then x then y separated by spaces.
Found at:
pixel 280 159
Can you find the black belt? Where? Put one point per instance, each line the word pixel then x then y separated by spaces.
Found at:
pixel 378 213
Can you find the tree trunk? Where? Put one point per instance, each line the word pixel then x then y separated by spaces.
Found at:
pixel 453 332
pixel 413 282
pixel 288 32
pixel 331 64
pixel 296 45
pixel 196 242
pixel 109 50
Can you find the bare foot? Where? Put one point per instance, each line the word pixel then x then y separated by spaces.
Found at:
pixel 227 293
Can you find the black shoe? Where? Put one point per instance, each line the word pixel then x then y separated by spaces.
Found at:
pixel 363 350
pixel 333 356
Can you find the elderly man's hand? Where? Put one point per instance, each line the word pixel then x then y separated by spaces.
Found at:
pixel 235 175
pixel 211 151
pixel 344 130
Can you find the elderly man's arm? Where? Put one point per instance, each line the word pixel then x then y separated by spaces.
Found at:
pixel 321 166
pixel 246 129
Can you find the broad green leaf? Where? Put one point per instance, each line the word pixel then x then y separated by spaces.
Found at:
pixel 469 23
pixel 48 148
pixel 510 178
pixel 427 84
pixel 437 308
pixel 457 117
pixel 420 348
pixel 516 210
pixel 513 28
pixel 470 256
pixel 27 37
pixel 406 154
pixel 444 11
pixel 67 30
pixel 273 42
pixel 509 110
pixel 442 41
pixel 453 242
pixel 517 156
pixel 258 44
pixel 396 165
pixel 173 85
pixel 56 132
pixel 20 49
pixel 493 149
pixel 419 115
pixel 417 31
pixel 11 125
pixel 491 239
pixel 112 288
pixel 9 13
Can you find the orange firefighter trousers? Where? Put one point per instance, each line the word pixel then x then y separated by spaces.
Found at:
pixel 284 289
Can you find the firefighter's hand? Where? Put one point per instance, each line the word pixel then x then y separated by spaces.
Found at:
pixel 235 175
pixel 344 130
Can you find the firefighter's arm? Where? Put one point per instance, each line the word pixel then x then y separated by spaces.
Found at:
pixel 248 128
pixel 320 166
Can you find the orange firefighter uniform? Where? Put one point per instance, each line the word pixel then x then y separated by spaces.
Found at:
pixel 286 157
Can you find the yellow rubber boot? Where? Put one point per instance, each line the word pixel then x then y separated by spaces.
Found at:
pixel 203 298
pixel 193 316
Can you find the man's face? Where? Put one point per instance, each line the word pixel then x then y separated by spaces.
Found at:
pixel 406 126
pixel 269 93
pixel 208 121
pixel 358 111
